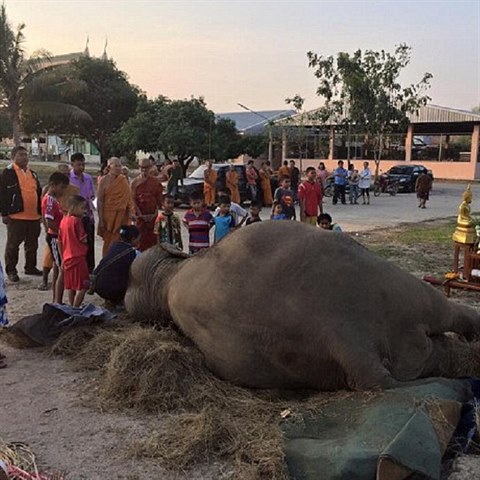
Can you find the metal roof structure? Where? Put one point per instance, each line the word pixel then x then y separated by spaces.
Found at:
pixel 428 114
pixel 250 123
pixel 437 114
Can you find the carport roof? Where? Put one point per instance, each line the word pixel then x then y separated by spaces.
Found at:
pixel 428 114
pixel 253 123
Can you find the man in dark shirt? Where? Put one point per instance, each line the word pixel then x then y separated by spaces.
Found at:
pixel 175 175
pixel 294 178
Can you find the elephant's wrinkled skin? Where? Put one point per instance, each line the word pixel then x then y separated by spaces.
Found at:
pixel 283 304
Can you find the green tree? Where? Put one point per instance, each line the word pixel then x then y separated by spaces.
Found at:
pixel 476 109
pixel 100 90
pixel 5 123
pixel 226 142
pixel 183 129
pixel 20 80
pixel 255 145
pixel 364 90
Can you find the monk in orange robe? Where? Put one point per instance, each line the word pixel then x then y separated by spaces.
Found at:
pixel 210 177
pixel 114 204
pixel 147 196
pixel 284 171
pixel 266 186
pixel 231 182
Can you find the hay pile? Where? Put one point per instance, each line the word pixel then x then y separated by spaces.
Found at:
pixel 161 372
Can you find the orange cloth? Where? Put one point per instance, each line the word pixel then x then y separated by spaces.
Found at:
pixel 209 186
pixel 28 188
pixel 266 188
pixel 284 172
pixel 232 185
pixel 148 199
pixel 116 206
pixel 67 193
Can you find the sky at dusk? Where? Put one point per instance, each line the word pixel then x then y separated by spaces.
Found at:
pixel 254 52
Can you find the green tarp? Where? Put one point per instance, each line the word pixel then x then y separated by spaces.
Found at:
pixel 384 436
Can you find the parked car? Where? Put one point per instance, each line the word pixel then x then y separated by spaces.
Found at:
pixel 194 182
pixel 406 176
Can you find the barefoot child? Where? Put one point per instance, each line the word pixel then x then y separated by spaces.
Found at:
pixel 225 220
pixel 167 225
pixel 198 220
pixel 325 222
pixel 254 215
pixel 284 196
pixel 277 212
pixel 73 245
pixel 52 215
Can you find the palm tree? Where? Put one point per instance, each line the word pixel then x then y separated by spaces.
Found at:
pixel 22 81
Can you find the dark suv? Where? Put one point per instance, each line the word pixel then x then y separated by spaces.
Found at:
pixel 406 176
pixel 194 182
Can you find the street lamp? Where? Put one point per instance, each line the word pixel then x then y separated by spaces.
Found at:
pixel 270 139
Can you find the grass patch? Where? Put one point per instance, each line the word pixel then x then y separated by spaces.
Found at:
pixel 424 233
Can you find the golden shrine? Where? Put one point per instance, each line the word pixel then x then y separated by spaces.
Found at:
pixel 466 244
pixel 465 231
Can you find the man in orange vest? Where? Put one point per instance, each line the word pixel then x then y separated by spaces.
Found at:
pixel 20 194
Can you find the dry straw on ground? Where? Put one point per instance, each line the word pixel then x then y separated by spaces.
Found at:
pixel 161 372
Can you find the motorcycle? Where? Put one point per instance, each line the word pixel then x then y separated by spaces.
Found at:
pixel 385 184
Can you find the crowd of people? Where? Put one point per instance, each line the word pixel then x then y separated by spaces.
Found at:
pixel 132 217
pixel 136 215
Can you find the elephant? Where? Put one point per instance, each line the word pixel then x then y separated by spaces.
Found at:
pixel 285 305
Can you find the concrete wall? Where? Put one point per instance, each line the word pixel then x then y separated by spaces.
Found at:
pixel 441 170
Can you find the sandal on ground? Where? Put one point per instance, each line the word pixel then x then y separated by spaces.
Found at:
pixel 43 288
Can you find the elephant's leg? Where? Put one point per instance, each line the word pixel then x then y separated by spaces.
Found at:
pixel 452 358
pixel 461 319
pixel 363 368
pixel 466 322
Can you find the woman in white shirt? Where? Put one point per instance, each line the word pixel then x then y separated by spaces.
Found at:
pixel 364 184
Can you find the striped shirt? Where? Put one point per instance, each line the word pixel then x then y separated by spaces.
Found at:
pixel 198 229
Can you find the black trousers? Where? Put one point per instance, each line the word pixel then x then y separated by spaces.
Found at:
pixel 89 226
pixel 339 191
pixel 18 232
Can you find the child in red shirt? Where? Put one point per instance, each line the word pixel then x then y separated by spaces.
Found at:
pixel 52 215
pixel 73 243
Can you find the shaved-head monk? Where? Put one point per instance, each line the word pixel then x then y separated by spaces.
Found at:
pixel 210 178
pixel 114 204
pixel 147 196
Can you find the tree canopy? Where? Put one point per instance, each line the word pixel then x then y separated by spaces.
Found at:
pixel 97 87
pixel 363 90
pixel 21 78
pixel 183 129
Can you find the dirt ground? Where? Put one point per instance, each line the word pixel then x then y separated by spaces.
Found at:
pixel 43 401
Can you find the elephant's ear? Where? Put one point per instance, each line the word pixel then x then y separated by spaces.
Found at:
pixel 173 251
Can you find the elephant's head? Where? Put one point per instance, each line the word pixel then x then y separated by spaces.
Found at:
pixel 149 276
